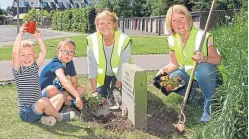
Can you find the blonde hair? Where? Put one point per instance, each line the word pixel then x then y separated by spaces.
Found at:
pixel 177 9
pixel 27 43
pixel 64 42
pixel 109 16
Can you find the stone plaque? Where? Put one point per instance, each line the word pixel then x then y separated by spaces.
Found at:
pixel 134 94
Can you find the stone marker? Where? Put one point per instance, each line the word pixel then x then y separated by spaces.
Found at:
pixel 134 94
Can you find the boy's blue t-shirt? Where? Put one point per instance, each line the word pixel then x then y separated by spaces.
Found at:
pixel 48 73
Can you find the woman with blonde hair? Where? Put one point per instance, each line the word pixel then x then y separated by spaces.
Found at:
pixel 107 50
pixel 184 41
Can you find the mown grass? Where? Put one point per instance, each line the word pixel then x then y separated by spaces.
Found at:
pixel 141 45
pixel 13 127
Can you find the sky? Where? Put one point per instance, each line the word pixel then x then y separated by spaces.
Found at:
pixel 5 3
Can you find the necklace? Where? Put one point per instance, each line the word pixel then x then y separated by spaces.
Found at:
pixel 109 42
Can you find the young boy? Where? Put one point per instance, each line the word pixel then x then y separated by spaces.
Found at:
pixel 32 106
pixel 59 76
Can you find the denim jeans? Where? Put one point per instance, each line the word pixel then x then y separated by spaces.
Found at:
pixel 29 114
pixel 109 80
pixel 208 78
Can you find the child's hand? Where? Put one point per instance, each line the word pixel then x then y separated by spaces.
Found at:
pixel 118 84
pixel 37 33
pixel 23 29
pixel 79 103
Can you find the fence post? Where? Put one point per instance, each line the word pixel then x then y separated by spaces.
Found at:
pixel 123 24
pixel 159 25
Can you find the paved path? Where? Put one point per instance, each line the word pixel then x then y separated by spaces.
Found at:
pixel 8 34
pixel 147 62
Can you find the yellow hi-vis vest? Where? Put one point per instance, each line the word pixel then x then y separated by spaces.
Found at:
pixel 184 54
pixel 95 43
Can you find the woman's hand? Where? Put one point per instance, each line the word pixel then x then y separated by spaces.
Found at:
pixel 199 57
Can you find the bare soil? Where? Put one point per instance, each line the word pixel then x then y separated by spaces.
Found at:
pixel 160 120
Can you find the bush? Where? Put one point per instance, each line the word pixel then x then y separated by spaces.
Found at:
pixel 76 20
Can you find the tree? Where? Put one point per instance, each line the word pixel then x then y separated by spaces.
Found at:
pixel 104 4
pixel 141 8
pixel 8 10
pixel 2 12
pixel 160 7
pixel 122 7
pixel 204 5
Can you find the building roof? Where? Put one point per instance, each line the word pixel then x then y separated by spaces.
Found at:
pixel 21 16
pixel 25 3
pixel 38 4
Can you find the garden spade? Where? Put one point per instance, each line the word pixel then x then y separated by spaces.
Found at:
pixel 180 126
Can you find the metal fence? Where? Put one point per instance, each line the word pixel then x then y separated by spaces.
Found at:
pixel 157 24
pixel 154 24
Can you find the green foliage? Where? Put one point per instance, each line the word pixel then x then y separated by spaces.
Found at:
pixel 158 7
pixel 127 8
pixel 93 101
pixel 204 5
pixel 3 12
pixel 122 8
pixel 141 8
pixel 32 15
pixel 230 118
pixel 76 20
pixel 104 4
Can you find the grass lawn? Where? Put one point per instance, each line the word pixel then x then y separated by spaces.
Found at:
pixel 12 126
pixel 140 46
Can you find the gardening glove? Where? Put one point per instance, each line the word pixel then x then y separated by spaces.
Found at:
pixel 95 94
pixel 117 95
pixel 156 80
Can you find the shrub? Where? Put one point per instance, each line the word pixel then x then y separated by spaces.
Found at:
pixel 76 20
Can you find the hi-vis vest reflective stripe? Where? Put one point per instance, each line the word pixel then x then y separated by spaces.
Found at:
pixel 184 54
pixel 95 42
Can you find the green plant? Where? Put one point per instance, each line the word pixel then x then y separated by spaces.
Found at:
pixel 230 120
pixel 32 15
pixel 94 101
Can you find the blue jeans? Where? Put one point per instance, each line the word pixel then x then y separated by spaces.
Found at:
pixel 208 78
pixel 109 80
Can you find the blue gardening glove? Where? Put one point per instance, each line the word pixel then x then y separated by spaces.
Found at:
pixel 157 81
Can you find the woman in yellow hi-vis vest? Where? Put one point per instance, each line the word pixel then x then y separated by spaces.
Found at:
pixel 107 50
pixel 184 41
